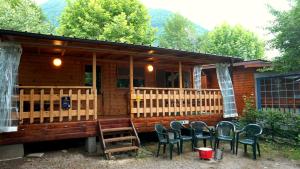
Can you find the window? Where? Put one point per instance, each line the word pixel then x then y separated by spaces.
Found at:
pixel 88 77
pixel 123 77
pixel 280 93
pixel 171 79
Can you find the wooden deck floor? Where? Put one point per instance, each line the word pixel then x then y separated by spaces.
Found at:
pixel 81 129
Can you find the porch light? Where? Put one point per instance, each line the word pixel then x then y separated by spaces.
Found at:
pixel 150 68
pixel 57 62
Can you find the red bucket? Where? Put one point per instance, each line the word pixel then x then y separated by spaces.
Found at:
pixel 205 153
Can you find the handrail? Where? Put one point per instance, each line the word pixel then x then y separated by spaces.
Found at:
pixel 160 88
pixel 54 87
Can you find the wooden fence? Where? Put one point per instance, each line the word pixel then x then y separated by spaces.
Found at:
pixel 161 102
pixel 39 104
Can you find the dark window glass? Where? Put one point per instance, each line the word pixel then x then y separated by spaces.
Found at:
pixel 88 77
pixel 123 77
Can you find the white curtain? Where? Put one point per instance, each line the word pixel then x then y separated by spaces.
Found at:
pixel 197 77
pixel 9 63
pixel 225 83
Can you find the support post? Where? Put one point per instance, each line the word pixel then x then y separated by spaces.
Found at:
pixel 131 83
pixel 94 84
pixel 180 87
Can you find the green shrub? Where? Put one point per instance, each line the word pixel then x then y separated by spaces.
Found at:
pixel 277 126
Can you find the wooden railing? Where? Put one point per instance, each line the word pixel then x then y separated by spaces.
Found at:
pixel 40 104
pixel 160 102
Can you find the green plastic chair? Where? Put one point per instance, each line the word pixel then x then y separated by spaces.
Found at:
pixel 249 135
pixel 163 139
pixel 225 131
pixel 178 129
pixel 201 132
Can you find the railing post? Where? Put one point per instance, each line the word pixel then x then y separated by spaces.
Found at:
pixel 131 85
pixel 180 88
pixel 95 84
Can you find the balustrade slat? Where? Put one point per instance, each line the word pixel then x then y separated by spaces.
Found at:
pixel 21 105
pixel 69 111
pixel 51 104
pixel 138 103
pixel 42 106
pixel 87 105
pixel 78 104
pixel 60 105
pixel 145 103
pixel 31 105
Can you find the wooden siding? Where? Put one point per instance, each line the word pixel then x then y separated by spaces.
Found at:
pixel 243 83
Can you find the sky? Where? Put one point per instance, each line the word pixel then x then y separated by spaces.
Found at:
pixel 251 14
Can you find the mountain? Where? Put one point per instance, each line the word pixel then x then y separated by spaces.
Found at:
pixel 160 16
pixel 53 9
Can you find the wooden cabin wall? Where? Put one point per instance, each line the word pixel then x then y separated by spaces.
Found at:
pixel 112 101
pixel 243 84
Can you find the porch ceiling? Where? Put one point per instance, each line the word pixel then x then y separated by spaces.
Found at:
pixel 60 46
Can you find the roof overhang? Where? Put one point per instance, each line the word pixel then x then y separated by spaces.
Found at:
pixel 61 45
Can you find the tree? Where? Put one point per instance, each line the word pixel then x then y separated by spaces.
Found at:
pixel 23 15
pixel 113 20
pixel 232 41
pixel 178 33
pixel 287 38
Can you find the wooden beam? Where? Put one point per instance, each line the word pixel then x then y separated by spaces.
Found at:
pixel 131 81
pixel 94 71
pixel 180 87
pixel 180 75
pixel 95 84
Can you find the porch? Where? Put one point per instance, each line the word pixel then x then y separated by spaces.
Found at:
pixel 97 81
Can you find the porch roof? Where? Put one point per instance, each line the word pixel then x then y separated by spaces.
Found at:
pixel 42 44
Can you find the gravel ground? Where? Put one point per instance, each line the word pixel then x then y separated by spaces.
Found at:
pixel 76 158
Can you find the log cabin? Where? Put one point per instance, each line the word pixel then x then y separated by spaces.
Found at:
pixel 82 88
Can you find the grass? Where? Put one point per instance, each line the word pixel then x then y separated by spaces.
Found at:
pixel 272 150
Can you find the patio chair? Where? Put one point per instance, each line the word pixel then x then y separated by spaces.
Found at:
pixel 201 131
pixel 179 129
pixel 163 139
pixel 249 135
pixel 225 131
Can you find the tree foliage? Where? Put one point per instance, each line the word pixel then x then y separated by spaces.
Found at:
pixel 232 41
pixel 22 15
pixel 113 20
pixel 178 33
pixel 287 38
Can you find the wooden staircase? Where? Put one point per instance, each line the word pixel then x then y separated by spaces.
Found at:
pixel 117 135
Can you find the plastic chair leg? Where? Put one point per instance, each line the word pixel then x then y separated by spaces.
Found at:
pixel 210 140
pixel 258 149
pixel 181 146
pixel 158 148
pixel 254 151
pixel 237 147
pixel 164 150
pixel 245 148
pixel 204 142
pixel 178 149
pixel 171 150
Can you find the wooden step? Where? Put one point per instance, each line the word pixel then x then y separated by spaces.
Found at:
pixel 109 140
pixel 121 149
pixel 116 129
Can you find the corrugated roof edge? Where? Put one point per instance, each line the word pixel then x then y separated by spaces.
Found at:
pixel 101 42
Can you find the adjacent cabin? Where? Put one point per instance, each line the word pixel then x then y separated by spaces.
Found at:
pixel 67 86
pixel 243 79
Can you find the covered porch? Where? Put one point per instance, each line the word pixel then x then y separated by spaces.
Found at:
pixel 98 80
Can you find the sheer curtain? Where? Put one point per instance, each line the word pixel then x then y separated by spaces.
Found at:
pixel 225 83
pixel 197 77
pixel 10 55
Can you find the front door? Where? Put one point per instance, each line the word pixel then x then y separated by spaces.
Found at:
pixel 88 80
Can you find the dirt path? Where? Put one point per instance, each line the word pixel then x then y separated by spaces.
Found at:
pixel 77 158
